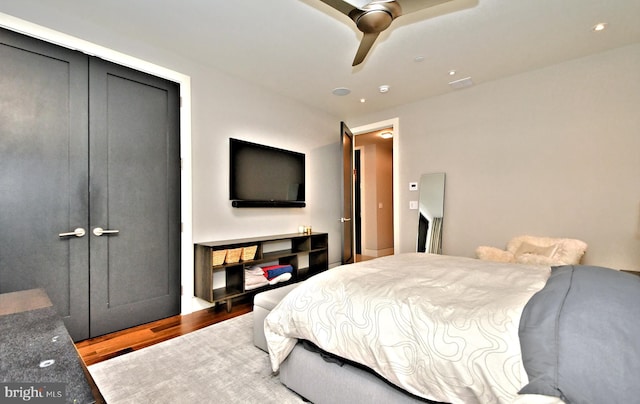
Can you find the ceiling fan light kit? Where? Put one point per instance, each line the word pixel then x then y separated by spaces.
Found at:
pixel 375 17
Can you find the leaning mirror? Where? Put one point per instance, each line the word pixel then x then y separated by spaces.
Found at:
pixel 430 213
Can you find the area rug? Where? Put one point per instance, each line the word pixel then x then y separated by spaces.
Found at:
pixel 216 364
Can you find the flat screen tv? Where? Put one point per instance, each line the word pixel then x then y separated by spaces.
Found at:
pixel 265 176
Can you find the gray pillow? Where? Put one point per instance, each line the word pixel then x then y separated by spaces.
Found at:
pixel 580 336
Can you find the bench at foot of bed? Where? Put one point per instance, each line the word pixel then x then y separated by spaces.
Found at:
pixel 263 303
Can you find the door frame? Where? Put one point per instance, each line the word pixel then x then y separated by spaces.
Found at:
pixel 358 200
pixel 68 41
pixel 394 123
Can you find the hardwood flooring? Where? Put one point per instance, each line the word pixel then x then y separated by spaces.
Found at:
pixel 108 346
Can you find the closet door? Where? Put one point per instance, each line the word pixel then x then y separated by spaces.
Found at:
pixel 134 197
pixel 72 126
pixel 43 174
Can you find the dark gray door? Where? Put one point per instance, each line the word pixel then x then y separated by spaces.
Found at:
pixel 43 174
pixel 135 197
pixel 85 144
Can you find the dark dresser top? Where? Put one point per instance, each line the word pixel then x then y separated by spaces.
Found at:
pixel 37 351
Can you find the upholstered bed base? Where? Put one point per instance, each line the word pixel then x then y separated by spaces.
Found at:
pixel 320 381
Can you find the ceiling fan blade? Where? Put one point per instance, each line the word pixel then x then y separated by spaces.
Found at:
pixel 410 6
pixel 365 45
pixel 340 5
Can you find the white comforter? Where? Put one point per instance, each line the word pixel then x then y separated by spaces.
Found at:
pixel 443 328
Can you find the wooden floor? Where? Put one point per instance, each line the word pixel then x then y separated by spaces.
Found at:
pixel 111 345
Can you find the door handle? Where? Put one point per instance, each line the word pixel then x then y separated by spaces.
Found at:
pixel 78 232
pixel 345 219
pixel 99 231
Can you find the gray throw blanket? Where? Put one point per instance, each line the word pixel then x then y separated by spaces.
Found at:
pixel 580 336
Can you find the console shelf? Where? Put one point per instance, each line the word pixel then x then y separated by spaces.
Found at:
pixel 306 253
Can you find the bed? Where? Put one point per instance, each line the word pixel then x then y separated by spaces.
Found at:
pixel 436 328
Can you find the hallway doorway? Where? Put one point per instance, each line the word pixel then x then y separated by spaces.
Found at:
pixel 373 194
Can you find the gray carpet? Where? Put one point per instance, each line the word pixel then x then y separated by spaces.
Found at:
pixel 217 364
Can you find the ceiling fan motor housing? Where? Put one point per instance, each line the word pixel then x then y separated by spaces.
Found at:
pixel 375 17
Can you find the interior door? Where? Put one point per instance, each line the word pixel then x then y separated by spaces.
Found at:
pixel 346 141
pixel 43 175
pixel 134 197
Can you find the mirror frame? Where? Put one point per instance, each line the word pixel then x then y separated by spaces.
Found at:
pixel 430 213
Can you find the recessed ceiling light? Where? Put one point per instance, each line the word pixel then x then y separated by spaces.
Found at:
pixel 452 72
pixel 386 135
pixel 418 59
pixel 362 100
pixel 340 91
pixel 384 88
pixel 599 27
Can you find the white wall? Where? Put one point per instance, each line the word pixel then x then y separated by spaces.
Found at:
pixel 552 152
pixel 223 109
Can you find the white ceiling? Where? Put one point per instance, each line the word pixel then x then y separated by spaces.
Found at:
pixel 303 48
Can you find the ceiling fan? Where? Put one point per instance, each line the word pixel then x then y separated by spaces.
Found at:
pixel 376 16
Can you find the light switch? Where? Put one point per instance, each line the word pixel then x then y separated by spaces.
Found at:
pixel 413 205
pixel 413 186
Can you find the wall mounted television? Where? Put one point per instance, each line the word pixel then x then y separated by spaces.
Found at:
pixel 263 176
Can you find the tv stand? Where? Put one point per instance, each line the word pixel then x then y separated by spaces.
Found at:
pixel 306 253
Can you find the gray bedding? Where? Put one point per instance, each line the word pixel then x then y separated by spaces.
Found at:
pixel 580 336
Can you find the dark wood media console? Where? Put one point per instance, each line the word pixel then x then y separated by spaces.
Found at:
pixel 306 253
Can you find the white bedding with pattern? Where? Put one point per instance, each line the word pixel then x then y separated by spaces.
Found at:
pixel 443 328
